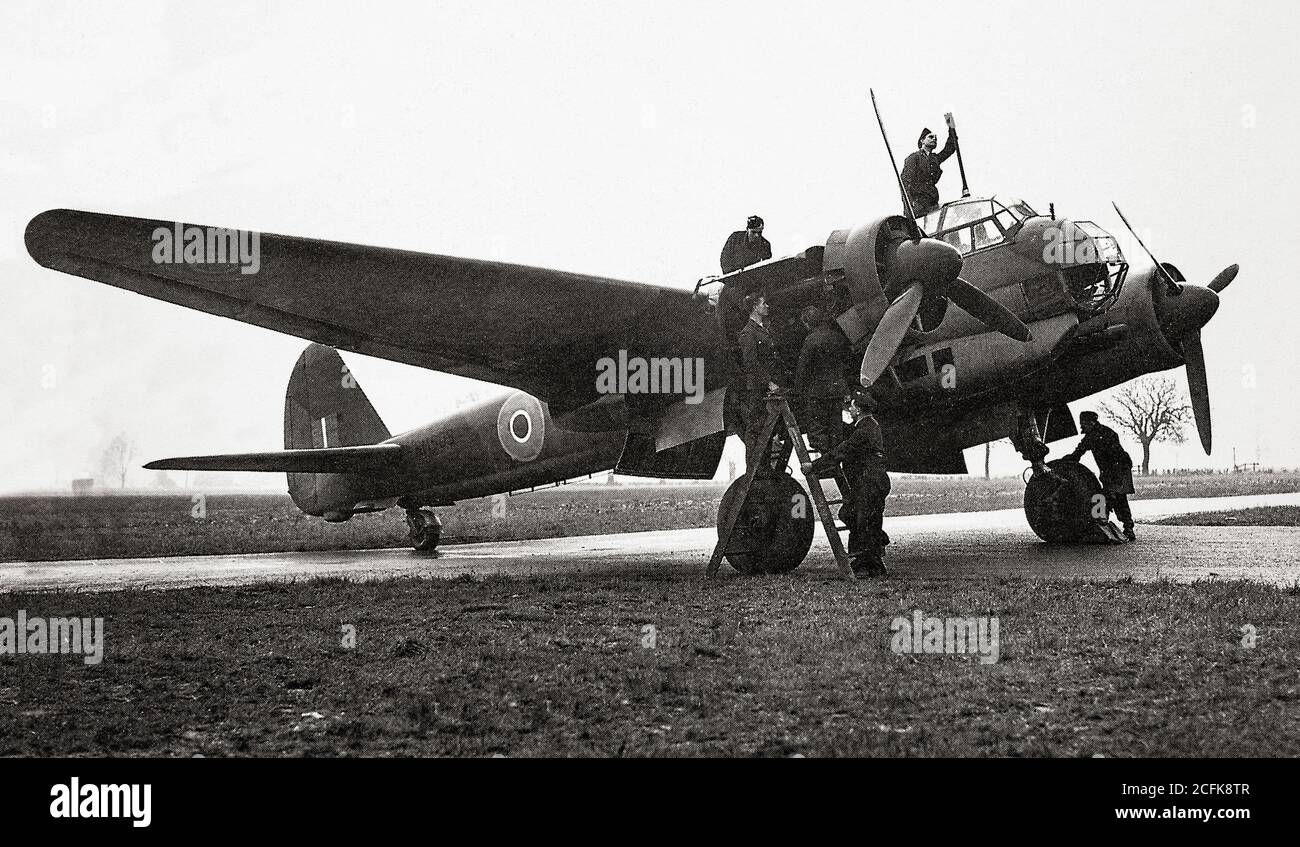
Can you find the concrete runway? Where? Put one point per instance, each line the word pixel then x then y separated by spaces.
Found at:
pixel 980 543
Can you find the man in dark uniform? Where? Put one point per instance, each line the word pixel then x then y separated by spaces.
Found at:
pixel 762 372
pixel 743 248
pixel 819 377
pixel 746 246
pixel 1115 464
pixel 921 170
pixel 863 458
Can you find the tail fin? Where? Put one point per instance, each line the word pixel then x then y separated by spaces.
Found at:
pixel 324 407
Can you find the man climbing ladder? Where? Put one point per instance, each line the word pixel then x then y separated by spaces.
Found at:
pixel 862 456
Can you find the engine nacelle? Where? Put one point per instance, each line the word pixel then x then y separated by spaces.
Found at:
pixel 855 254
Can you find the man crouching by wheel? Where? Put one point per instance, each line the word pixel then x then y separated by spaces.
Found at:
pixel 1114 463
pixel 862 455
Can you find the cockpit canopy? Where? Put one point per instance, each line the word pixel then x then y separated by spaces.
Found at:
pixel 974 223
pixel 1091 264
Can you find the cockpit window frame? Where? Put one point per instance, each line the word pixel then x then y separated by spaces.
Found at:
pixel 1006 213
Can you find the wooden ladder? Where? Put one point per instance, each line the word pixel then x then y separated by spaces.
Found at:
pixel 779 413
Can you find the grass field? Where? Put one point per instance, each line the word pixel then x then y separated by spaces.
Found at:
pixel 772 666
pixel 1261 516
pixel 53 528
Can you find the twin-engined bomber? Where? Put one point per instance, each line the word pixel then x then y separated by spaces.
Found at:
pixel 980 321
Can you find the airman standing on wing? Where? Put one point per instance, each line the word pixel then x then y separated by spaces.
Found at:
pixel 745 247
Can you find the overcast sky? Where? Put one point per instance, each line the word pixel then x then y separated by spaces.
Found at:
pixel 609 138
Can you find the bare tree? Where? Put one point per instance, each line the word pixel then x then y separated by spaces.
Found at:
pixel 1151 410
pixel 117 457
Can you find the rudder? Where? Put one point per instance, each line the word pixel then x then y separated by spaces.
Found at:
pixel 324 406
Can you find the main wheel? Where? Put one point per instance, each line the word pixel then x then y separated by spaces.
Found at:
pixel 774 529
pixel 425 530
pixel 1059 505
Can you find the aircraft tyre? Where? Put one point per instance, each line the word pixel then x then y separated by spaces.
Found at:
pixel 775 529
pixel 425 530
pixel 1059 503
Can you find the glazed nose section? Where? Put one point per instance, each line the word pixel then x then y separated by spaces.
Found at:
pixel 928 261
pixel 1188 311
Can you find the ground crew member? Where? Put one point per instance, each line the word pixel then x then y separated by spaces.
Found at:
pixel 745 247
pixel 762 372
pixel 1115 464
pixel 819 377
pixel 921 170
pixel 863 457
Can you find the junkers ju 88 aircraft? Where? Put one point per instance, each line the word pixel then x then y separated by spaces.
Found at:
pixel 967 325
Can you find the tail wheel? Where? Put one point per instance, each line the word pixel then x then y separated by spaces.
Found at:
pixel 1059 504
pixel 774 529
pixel 425 530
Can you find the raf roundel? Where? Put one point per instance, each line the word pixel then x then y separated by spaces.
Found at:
pixel 521 426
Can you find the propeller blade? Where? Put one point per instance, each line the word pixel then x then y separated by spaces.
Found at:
pixel 1194 357
pixel 987 310
pixel 888 336
pixel 1225 276
pixel 1174 287
pixel 907 200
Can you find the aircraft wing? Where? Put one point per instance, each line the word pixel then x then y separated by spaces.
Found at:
pixel 535 329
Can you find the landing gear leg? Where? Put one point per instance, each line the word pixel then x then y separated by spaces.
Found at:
pixel 1027 438
pixel 425 530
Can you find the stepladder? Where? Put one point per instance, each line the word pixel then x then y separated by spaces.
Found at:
pixel 759 529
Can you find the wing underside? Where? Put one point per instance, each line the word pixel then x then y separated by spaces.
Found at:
pixel 536 329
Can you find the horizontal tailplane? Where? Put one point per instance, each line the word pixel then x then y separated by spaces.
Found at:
pixel 372 458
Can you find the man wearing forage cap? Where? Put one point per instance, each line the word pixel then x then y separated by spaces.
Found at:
pixel 921 169
pixel 862 456
pixel 745 246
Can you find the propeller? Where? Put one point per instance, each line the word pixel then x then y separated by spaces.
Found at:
pixel 907 199
pixel 917 268
pixel 1182 310
pixel 1181 318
